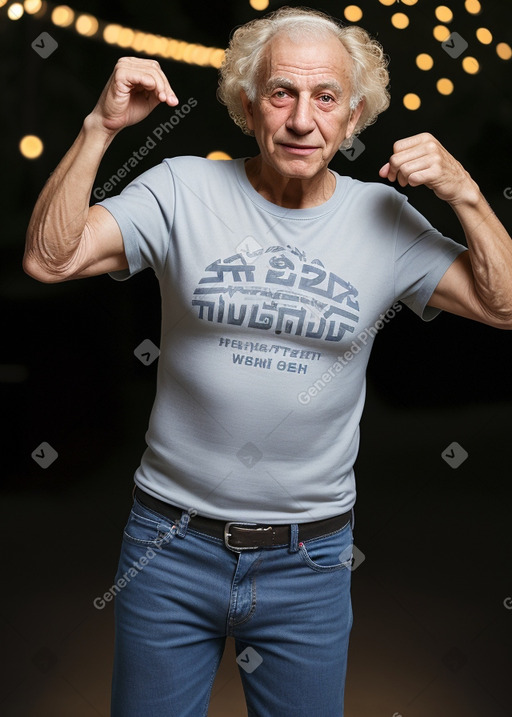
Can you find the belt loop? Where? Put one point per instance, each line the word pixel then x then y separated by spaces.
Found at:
pixel 183 524
pixel 353 521
pixel 294 538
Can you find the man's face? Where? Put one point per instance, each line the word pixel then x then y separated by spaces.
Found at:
pixel 301 114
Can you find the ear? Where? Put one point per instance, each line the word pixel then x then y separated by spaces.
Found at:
pixel 247 105
pixel 354 118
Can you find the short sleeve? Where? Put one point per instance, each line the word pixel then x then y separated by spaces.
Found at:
pixel 422 256
pixel 144 212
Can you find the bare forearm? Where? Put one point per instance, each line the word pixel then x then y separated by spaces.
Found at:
pixel 60 214
pixel 490 252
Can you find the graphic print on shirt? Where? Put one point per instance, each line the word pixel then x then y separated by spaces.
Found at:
pixel 278 290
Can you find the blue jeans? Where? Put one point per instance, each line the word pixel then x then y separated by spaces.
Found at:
pixel 179 593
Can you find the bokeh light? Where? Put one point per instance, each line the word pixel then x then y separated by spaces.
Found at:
pixel 15 11
pixel 218 154
pixel 259 4
pixel 445 86
pixel 62 16
pixel 353 13
pixel 473 6
pixel 470 65
pixel 32 6
pixel 424 61
pixel 412 101
pixel 444 14
pixel 504 51
pixel 484 36
pixel 86 25
pixel 400 20
pixel 441 33
pixel 31 146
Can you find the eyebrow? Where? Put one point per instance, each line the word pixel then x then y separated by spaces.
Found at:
pixel 275 82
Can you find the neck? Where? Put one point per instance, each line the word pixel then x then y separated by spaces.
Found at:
pixel 291 193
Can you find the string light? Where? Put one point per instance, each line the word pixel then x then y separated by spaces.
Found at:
pixel 88 25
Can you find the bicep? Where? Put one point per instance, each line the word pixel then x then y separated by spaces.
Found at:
pixel 101 249
pixel 456 293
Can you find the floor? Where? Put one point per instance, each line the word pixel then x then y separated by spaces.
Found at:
pixel 432 595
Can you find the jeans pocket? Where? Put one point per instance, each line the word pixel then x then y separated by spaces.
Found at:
pixel 332 552
pixel 149 531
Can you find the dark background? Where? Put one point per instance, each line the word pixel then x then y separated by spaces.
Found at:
pixel 436 539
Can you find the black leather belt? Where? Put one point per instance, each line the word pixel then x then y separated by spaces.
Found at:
pixel 241 535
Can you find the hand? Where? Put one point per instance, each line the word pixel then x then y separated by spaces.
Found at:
pixel 134 89
pixel 421 159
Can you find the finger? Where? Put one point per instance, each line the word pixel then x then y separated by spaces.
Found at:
pixel 417 173
pixel 424 138
pixel 149 75
pixel 384 171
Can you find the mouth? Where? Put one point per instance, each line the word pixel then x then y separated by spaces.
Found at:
pixel 298 149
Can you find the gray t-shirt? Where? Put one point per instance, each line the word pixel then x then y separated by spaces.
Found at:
pixel 268 318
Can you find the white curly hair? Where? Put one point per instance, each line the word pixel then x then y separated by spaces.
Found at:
pixel 245 54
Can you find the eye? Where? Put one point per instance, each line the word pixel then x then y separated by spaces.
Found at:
pixel 326 99
pixel 280 94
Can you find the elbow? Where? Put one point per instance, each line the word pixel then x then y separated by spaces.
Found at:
pixel 36 271
pixel 501 320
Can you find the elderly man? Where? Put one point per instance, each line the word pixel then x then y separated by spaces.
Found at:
pixel 274 272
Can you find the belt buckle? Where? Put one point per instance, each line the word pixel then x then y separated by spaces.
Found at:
pixel 227 535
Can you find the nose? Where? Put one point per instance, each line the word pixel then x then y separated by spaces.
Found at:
pixel 301 120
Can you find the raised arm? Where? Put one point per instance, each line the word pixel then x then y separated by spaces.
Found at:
pixel 66 238
pixel 478 285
